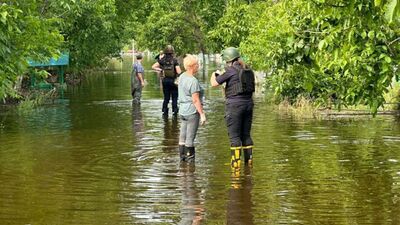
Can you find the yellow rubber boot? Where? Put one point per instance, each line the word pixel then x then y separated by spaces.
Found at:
pixel 235 157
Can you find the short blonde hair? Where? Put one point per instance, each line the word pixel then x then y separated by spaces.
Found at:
pixel 189 61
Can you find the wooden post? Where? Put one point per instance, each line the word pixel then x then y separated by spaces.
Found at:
pixel 61 74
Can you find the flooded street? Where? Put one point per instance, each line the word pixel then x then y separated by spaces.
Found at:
pixel 93 158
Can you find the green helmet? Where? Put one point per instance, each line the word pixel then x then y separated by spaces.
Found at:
pixel 169 49
pixel 230 54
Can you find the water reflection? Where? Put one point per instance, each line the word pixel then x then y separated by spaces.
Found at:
pixel 192 209
pixel 96 159
pixel 138 130
pixel 171 135
pixel 146 132
pixel 137 121
pixel 240 205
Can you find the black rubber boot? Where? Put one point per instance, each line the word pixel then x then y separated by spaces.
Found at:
pixel 175 111
pixel 235 157
pixel 165 111
pixel 190 154
pixel 248 156
pixel 182 153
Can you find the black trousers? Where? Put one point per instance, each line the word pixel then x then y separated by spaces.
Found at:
pixel 239 117
pixel 170 90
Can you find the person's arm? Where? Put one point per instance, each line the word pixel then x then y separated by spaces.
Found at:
pixel 197 103
pixel 178 69
pixel 140 77
pixel 213 80
pixel 139 73
pixel 156 67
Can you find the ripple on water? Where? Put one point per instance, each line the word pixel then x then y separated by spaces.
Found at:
pixel 99 161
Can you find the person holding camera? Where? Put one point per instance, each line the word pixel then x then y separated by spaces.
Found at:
pixel 239 88
pixel 170 69
pixel 190 108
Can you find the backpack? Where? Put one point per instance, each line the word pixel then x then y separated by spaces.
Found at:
pixel 246 84
pixel 247 80
pixel 168 67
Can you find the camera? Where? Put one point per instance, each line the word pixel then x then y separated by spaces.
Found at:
pixel 217 73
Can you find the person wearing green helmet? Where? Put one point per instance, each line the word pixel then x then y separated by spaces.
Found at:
pixel 239 88
pixel 230 54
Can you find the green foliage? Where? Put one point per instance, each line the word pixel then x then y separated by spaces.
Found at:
pixel 180 23
pixel 340 52
pixel 233 27
pixel 392 97
pixel 392 11
pixel 23 34
pixel 94 30
pixel 34 99
pixel 39 29
pixel 157 33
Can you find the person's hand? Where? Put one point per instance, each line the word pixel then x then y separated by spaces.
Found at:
pixel 203 119
pixel 143 83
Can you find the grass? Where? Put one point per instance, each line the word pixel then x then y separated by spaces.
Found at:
pixel 392 97
pixel 34 99
pixel 302 108
pixel 305 108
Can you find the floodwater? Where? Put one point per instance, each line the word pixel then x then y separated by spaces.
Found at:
pixel 92 158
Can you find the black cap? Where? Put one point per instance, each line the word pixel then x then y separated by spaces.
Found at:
pixel 139 56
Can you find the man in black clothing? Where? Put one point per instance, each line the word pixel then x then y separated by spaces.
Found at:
pixel 170 69
pixel 159 56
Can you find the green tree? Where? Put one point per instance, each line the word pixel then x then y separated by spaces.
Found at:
pixel 184 24
pixel 39 29
pixel 344 52
pixel 24 35
pixel 233 27
pixel 96 30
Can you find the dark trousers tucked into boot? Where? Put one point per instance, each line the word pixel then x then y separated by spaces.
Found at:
pixel 235 157
pixel 190 154
pixel 248 155
pixel 165 111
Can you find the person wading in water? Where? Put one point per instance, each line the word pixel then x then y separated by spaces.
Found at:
pixel 239 80
pixel 170 69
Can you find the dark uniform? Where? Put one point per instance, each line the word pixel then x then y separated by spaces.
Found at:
pixel 170 69
pixel 238 115
pixel 170 90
